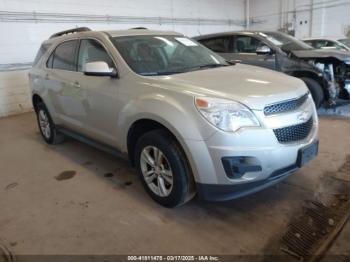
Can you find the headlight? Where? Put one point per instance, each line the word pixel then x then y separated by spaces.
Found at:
pixel 226 115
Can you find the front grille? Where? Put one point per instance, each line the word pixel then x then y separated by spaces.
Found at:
pixel 285 106
pixel 294 133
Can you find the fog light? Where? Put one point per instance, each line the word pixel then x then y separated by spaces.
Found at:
pixel 236 167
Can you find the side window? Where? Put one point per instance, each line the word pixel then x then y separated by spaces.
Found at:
pixel 64 57
pixel 335 45
pixel 310 43
pixel 92 51
pixel 218 44
pixel 246 44
pixel 318 44
pixel 331 44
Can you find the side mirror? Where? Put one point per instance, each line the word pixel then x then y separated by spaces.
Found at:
pixel 99 68
pixel 263 50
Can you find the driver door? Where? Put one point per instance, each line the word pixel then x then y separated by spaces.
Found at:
pixel 99 93
pixel 221 45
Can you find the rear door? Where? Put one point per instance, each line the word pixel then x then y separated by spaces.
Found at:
pixel 63 89
pixel 244 48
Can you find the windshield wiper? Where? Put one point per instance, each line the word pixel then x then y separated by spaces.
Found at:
pixel 161 73
pixel 183 71
pixel 212 66
pixel 201 67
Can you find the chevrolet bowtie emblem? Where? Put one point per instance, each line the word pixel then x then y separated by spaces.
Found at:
pixel 303 116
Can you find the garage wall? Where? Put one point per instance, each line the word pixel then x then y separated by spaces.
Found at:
pixel 26 23
pixel 268 14
pixel 306 17
pixel 332 19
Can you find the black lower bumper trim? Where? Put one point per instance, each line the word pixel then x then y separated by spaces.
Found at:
pixel 215 193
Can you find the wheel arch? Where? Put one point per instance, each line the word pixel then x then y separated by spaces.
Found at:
pixel 36 99
pixel 316 77
pixel 144 125
pixel 311 74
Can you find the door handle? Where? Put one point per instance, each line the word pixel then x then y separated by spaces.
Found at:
pixel 47 77
pixel 75 84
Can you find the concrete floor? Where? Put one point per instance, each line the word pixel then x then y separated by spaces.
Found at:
pixel 94 214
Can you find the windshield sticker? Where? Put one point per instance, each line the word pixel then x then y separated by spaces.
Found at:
pixel 185 41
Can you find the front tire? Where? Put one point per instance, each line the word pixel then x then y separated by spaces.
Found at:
pixel 163 169
pixel 315 89
pixel 46 126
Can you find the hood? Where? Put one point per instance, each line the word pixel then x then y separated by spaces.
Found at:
pixel 319 53
pixel 253 86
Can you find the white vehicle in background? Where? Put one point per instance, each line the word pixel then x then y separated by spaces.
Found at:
pixel 337 43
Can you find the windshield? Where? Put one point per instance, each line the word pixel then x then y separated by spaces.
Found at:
pixel 164 55
pixel 285 42
pixel 345 41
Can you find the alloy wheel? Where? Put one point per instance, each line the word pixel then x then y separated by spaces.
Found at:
pixel 156 171
pixel 44 124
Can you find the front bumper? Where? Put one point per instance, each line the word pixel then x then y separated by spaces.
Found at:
pixel 210 192
pixel 266 160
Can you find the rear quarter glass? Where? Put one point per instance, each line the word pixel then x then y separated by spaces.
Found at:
pixel 42 50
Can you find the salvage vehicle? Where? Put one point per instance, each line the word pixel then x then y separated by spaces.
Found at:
pixel 189 121
pixel 325 72
pixel 328 43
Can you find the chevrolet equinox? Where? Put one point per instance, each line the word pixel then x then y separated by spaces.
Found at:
pixel 189 121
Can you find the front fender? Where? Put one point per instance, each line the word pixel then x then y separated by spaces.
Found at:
pixel 178 114
pixel 181 118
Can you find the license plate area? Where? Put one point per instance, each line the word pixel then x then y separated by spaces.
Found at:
pixel 307 153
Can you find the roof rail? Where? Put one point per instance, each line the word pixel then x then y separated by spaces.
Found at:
pixel 71 31
pixel 139 28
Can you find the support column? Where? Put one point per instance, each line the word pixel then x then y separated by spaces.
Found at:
pixel 247 14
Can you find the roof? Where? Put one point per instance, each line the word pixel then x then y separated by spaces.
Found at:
pixel 234 32
pixel 331 38
pixel 84 31
pixel 131 32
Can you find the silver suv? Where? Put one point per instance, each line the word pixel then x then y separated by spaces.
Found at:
pixel 189 121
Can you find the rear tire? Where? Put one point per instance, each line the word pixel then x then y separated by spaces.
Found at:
pixel 168 181
pixel 315 89
pixel 46 126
